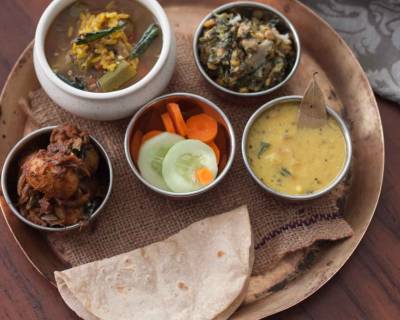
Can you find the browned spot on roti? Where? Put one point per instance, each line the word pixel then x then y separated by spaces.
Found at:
pixel 332 95
pixel 220 254
pixel 120 289
pixel 182 286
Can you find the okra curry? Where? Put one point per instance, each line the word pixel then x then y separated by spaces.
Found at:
pixel 292 160
pixel 102 46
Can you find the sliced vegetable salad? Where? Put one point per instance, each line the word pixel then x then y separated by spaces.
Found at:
pixel 183 157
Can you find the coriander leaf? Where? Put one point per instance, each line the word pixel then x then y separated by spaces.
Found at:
pixel 285 172
pixel 263 147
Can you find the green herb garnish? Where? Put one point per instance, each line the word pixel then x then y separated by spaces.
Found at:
pixel 263 147
pixel 285 172
pixel 85 38
pixel 91 207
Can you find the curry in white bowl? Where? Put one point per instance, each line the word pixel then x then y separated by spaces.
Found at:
pixel 103 45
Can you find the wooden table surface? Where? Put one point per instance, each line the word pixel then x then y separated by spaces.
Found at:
pixel 368 286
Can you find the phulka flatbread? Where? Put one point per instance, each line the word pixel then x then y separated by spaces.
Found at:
pixel 202 272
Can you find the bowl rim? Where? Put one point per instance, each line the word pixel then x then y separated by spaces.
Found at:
pixel 57 6
pixel 342 173
pixel 172 194
pixel 257 5
pixel 20 146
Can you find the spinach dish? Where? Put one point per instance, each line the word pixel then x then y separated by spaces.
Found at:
pixel 246 51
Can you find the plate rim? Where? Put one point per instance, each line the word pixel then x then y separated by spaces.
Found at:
pixel 241 314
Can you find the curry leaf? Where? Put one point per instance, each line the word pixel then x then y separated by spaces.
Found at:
pixel 87 37
pixel 76 82
pixel 145 41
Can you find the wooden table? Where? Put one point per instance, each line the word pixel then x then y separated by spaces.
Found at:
pixel 368 287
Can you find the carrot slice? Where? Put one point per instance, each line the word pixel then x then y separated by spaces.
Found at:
pixel 202 127
pixel 215 149
pixel 176 115
pixel 136 141
pixel 150 134
pixel 167 121
pixel 204 176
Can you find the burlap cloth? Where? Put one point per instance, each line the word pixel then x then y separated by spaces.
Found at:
pixel 135 216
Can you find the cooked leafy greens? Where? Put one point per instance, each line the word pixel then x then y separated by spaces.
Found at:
pixel 246 51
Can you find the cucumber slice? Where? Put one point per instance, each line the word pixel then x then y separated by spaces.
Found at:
pixel 151 156
pixel 182 162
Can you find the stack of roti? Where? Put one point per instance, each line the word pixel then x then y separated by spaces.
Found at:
pixel 202 272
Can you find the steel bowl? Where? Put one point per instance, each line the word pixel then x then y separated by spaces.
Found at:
pixel 259 6
pixel 339 177
pixel 32 142
pixel 183 99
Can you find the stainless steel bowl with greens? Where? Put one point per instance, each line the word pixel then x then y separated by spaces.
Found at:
pixel 246 48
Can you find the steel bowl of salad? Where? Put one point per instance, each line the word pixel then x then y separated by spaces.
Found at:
pixel 180 145
pixel 104 59
pixel 246 48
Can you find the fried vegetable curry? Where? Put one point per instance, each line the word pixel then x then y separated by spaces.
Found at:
pixel 246 51
pixel 294 160
pixel 102 46
pixel 57 186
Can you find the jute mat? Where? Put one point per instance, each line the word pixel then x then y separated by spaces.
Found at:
pixel 135 216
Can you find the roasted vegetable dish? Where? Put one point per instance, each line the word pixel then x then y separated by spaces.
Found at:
pixel 103 46
pixel 246 51
pixel 57 186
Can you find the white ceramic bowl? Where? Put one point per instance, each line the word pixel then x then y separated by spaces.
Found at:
pixel 111 105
